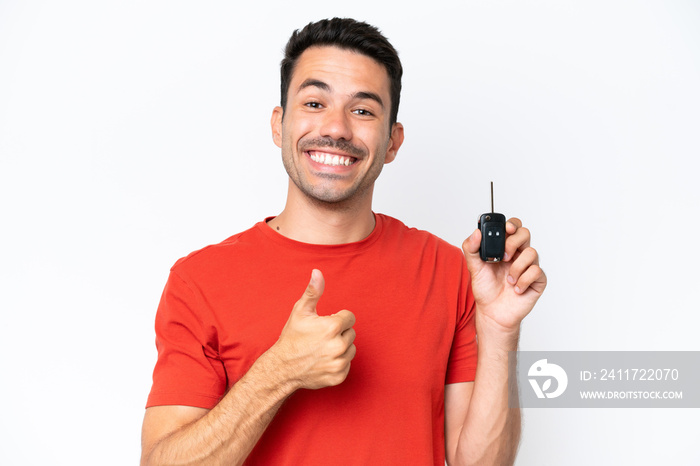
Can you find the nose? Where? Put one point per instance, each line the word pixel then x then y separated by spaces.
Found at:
pixel 336 125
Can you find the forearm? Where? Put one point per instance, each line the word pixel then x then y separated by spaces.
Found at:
pixel 227 433
pixel 491 431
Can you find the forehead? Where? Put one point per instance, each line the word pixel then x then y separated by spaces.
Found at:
pixel 342 69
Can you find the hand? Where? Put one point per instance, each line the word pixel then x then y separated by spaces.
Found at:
pixel 505 292
pixel 316 350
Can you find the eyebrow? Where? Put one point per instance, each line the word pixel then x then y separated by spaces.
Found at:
pixel 325 87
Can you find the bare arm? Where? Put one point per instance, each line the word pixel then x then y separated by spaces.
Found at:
pixel 224 435
pixel 480 427
pixel 312 352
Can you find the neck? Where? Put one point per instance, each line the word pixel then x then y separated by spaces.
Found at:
pixel 310 221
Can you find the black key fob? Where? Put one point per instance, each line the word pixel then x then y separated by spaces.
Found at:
pixel 493 235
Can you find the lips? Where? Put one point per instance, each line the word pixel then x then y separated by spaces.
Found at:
pixel 332 160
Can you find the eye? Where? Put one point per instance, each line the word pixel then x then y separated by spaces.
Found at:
pixel 313 104
pixel 362 112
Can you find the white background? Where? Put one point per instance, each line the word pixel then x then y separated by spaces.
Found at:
pixel 133 132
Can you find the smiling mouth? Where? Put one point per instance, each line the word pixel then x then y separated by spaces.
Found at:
pixel 331 159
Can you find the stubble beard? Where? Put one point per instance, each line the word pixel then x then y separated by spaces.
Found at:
pixel 325 194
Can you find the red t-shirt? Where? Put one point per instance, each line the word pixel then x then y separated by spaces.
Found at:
pixel 226 304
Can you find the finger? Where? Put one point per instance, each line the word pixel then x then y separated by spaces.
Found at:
pixel 517 241
pixel 533 278
pixel 346 320
pixel 524 260
pixel 513 223
pixel 307 304
pixel 348 336
pixel 349 354
pixel 347 357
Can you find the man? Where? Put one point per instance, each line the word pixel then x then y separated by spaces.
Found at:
pixel 375 362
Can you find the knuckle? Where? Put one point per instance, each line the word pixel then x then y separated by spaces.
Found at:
pixel 530 275
pixel 309 292
pixel 347 315
pixel 337 379
pixel 338 366
pixel 530 251
pixel 352 352
pixel 336 348
pixel 335 326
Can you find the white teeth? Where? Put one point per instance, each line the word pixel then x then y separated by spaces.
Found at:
pixel 333 160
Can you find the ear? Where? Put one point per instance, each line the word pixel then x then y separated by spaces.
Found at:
pixel 395 141
pixel 276 125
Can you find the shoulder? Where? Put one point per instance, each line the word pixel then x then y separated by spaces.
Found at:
pixel 220 253
pixel 393 227
pixel 395 231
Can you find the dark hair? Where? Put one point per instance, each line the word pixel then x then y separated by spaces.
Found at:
pixel 348 34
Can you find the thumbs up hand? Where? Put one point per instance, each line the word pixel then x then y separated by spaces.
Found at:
pixel 315 351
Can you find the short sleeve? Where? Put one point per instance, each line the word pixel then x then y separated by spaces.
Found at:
pixel 189 371
pixel 461 366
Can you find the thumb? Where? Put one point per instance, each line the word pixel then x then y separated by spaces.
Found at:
pixel 471 247
pixel 307 304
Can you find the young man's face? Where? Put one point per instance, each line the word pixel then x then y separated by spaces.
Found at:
pixel 334 134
